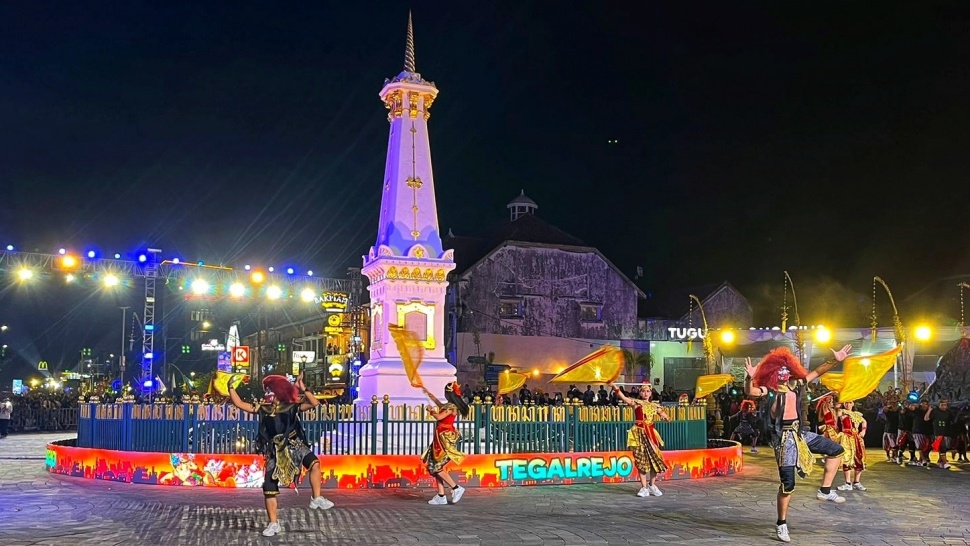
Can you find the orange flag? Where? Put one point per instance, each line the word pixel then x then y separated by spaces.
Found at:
pixel 511 381
pixel 412 352
pixel 706 384
pixel 860 375
pixel 600 366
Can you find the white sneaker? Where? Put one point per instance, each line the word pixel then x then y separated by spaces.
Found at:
pixel 655 491
pixel 643 492
pixel 438 499
pixel 272 529
pixel 858 486
pixel 845 487
pixel 782 532
pixel 832 496
pixel 457 493
pixel 944 466
pixel 320 503
pixel 754 450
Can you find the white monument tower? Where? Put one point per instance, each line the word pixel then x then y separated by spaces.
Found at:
pixel 407 266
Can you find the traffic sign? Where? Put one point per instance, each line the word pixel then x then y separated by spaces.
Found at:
pixel 477 360
pixel 492 372
pixel 240 355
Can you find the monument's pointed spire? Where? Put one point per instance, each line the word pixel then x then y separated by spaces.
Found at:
pixel 409 47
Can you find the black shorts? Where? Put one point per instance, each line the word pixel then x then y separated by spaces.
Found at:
pixel 271 486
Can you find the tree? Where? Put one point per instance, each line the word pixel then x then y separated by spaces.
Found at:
pixel 633 361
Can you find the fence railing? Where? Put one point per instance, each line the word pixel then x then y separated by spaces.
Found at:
pixel 43 419
pixel 380 428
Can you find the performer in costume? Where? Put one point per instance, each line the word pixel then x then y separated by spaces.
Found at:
pixel 829 426
pixel 282 442
pixel 781 373
pixel 853 427
pixel 644 440
pixel 749 424
pixel 444 446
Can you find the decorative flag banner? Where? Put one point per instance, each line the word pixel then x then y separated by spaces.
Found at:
pixel 511 381
pixel 706 384
pixel 221 381
pixel 860 375
pixel 412 352
pixel 601 366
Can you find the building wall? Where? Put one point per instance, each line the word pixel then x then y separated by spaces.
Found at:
pixel 552 285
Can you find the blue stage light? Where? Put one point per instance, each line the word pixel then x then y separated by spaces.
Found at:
pixel 92 254
pixel 117 256
pixel 142 258
pixel 309 273
pixel 289 270
pixel 9 247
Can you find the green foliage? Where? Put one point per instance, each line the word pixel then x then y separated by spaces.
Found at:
pixel 637 361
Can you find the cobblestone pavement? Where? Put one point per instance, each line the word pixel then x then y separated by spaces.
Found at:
pixel 905 506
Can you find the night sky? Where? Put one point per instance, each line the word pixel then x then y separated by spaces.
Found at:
pixel 705 142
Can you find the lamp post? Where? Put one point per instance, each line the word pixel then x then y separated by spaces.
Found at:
pixel 121 355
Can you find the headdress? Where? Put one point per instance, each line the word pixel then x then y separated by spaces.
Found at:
pixel 281 387
pixel 775 365
pixel 748 404
pixel 454 387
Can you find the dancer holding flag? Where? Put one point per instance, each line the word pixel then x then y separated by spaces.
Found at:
pixel 644 440
pixel 444 446
pixel 781 373
pixel 282 441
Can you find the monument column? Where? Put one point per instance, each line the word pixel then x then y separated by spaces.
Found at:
pixel 407 267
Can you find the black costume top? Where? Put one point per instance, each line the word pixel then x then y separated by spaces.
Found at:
pixel 276 419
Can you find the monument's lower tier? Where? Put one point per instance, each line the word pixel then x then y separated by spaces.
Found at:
pixel 386 471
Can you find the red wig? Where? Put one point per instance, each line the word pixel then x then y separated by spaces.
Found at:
pixel 280 386
pixel 767 373
pixel 748 405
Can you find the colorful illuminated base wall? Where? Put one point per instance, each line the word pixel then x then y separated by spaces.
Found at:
pixel 385 471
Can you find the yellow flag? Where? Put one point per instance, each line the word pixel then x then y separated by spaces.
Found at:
pixel 706 384
pixel 511 381
pixel 412 352
pixel 860 375
pixel 601 366
pixel 221 381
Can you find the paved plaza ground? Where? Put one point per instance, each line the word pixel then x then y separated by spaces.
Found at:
pixel 906 506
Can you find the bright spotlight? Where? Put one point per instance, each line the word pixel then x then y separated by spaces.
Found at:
pixel 274 292
pixel 117 256
pixel 237 290
pixel 309 273
pixel 69 262
pixel 142 258
pixel 175 260
pixel 823 335
pixel 9 247
pixel 69 277
pixel 111 280
pixel 727 336
pixel 307 294
pixel 62 251
pixel 199 287
pixel 271 269
pixel 257 277
pixel 25 274
pixel 289 270
pixel 923 333
pixel 92 254
pixel 247 267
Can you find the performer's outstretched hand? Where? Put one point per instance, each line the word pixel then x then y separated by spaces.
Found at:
pixel 843 353
pixel 299 383
pixel 750 368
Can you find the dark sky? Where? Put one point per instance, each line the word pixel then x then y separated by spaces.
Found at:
pixel 826 139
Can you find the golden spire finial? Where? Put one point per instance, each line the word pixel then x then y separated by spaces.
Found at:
pixel 409 47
